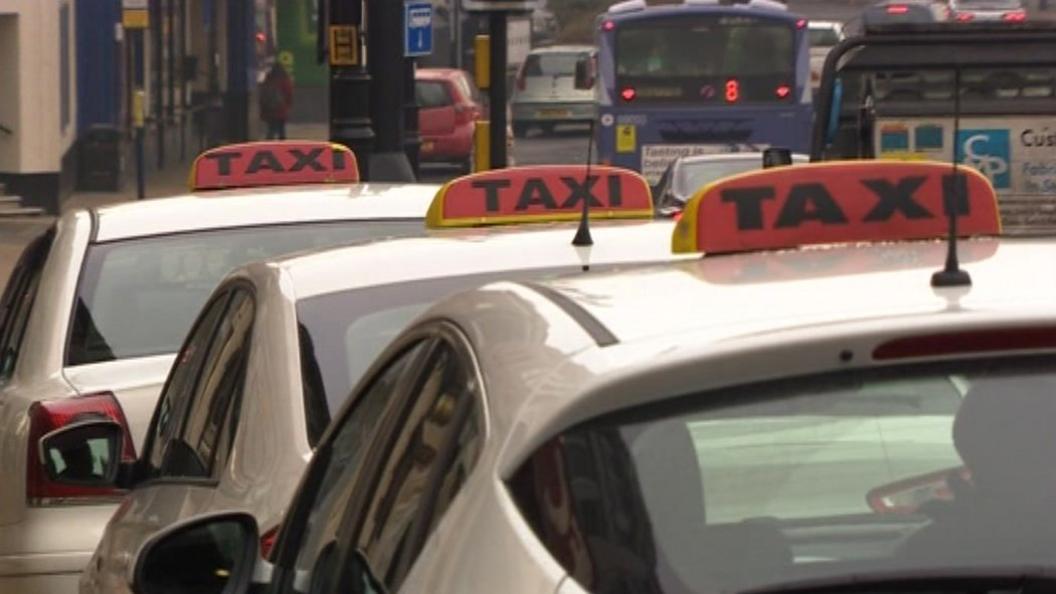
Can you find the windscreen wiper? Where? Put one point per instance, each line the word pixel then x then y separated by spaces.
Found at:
pixel 979 579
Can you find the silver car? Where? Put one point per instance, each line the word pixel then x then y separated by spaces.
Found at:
pixel 970 11
pixel 554 85
pixel 686 175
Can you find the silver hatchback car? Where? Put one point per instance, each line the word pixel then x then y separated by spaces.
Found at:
pixel 554 85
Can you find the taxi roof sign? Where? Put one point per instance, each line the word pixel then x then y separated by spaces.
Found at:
pixel 273 163
pixel 833 202
pixel 540 194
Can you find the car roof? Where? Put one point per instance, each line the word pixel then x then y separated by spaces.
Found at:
pixel 619 328
pixel 563 49
pixel 262 206
pixel 472 251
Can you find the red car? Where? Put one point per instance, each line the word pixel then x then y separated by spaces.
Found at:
pixel 447 111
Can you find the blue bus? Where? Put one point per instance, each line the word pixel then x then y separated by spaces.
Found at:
pixel 697 78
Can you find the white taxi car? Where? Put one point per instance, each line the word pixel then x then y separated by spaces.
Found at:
pixel 281 343
pixel 572 436
pixel 98 305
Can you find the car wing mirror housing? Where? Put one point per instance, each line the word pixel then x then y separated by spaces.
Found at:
pixel 85 453
pixel 212 554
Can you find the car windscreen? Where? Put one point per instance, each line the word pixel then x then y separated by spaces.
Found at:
pixel 938 466
pixel 720 60
pixel 138 297
pixel 342 333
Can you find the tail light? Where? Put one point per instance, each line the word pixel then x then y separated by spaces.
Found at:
pixel 47 416
pixel 783 91
pixel 964 17
pixel 608 26
pixel 267 542
pixel 801 23
pixel 628 94
pixel 1016 16
pixel 897 9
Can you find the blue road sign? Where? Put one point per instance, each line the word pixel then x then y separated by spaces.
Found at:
pixel 417 28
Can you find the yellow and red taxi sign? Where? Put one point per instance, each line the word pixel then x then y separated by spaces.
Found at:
pixel 273 163
pixel 834 202
pixel 537 194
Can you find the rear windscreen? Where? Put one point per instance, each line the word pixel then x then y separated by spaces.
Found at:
pixel 552 64
pixel 695 59
pixel 138 297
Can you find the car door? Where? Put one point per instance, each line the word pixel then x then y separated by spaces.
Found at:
pixel 306 552
pixel 417 466
pixel 191 433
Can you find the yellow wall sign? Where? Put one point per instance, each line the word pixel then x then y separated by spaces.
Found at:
pixel 135 18
pixel 344 45
pixel 626 138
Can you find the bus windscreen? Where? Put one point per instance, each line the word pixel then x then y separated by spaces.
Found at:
pixel 720 60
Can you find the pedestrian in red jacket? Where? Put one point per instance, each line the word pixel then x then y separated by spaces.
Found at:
pixel 276 98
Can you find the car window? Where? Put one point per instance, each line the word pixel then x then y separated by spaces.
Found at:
pixel 335 468
pixel 940 465
pixel 432 93
pixel 425 464
pixel 823 37
pixel 555 64
pixel 138 297
pixel 217 392
pixel 172 405
pixel 17 302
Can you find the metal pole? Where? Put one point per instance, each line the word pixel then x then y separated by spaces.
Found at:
pixel 497 33
pixel 350 122
pixel 412 143
pixel 156 93
pixel 385 54
pixel 137 109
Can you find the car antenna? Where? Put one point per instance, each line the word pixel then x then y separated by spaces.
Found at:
pixel 952 275
pixel 583 238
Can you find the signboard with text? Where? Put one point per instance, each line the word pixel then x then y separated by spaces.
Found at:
pixel 417 29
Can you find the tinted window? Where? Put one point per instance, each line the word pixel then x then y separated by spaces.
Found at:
pixel 172 405
pixel 823 37
pixel 553 64
pixel 694 175
pixel 137 297
pixel 17 303
pixel 683 59
pixel 432 94
pixel 425 465
pixel 818 477
pixel 335 468
pixel 217 392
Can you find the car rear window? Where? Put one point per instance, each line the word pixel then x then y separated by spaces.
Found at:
pixel 432 93
pixel 935 466
pixel 342 333
pixel 139 297
pixel 553 64
pixel 823 37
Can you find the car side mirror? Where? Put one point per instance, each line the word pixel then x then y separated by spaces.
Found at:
pixel 776 157
pixel 214 554
pixel 584 76
pixel 84 453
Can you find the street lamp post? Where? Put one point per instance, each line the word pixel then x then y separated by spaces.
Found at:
pixel 350 114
